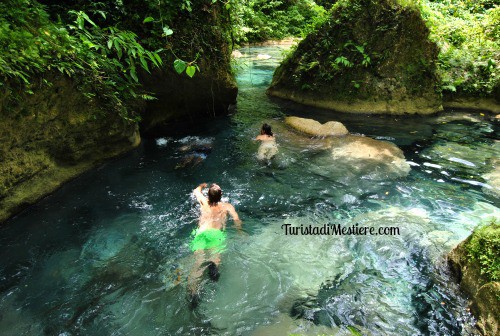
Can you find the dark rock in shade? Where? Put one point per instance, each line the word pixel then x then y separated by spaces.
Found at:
pixel 185 101
pixel 484 294
pixel 51 136
pixel 369 57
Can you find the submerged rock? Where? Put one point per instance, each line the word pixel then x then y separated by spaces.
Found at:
pixel 315 128
pixel 194 151
pixel 360 150
pixel 457 117
pixel 493 179
pixel 457 156
pixel 263 57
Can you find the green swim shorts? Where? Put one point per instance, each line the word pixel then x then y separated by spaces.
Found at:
pixel 207 239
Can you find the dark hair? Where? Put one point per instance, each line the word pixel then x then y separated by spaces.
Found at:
pixel 214 194
pixel 266 129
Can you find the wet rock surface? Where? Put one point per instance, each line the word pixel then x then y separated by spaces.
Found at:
pixel 315 128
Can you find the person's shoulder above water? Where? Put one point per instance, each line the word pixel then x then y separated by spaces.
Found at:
pixel 232 212
pixel 264 137
pixel 266 133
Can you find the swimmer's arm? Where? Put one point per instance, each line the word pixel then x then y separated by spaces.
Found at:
pixel 199 195
pixel 234 215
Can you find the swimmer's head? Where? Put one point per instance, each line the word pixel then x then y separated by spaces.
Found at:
pixel 266 129
pixel 214 194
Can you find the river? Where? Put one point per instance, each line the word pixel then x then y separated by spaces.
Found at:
pixel 108 253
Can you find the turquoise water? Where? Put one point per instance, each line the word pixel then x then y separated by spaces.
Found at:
pixel 108 254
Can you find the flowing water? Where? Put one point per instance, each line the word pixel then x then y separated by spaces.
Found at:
pixel 108 254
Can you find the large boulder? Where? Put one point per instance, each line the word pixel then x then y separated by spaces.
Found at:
pixel 360 151
pixel 51 136
pixel 370 56
pixel 315 128
pixel 482 286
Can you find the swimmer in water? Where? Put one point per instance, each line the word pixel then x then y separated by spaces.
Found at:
pixel 268 148
pixel 209 238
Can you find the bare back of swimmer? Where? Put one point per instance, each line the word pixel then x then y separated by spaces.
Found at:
pixel 213 211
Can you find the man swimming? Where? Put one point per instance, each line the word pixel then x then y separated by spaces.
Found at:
pixel 209 238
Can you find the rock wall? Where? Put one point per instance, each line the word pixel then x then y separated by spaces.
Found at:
pixel 56 133
pixel 180 99
pixel 51 136
pixel 371 56
pixel 483 293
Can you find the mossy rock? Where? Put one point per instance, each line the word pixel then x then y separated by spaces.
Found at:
pixel 52 136
pixel 476 264
pixel 371 56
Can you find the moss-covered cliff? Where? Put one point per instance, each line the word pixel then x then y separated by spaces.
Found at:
pixel 51 136
pixel 371 56
pixel 68 105
pixel 476 264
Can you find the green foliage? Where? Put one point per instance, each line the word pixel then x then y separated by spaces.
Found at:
pixel 121 47
pixel 103 60
pixel 484 247
pixel 468 35
pixel 260 20
pixel 340 58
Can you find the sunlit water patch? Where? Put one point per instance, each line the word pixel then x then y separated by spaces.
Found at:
pixel 108 254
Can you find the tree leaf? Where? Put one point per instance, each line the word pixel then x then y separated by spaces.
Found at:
pixel 148 19
pixel 190 71
pixel 158 58
pixel 88 19
pixel 179 66
pixel 103 14
pixel 144 63
pixel 79 22
pixel 110 43
pixel 118 48
pixel 133 74
pixel 167 31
